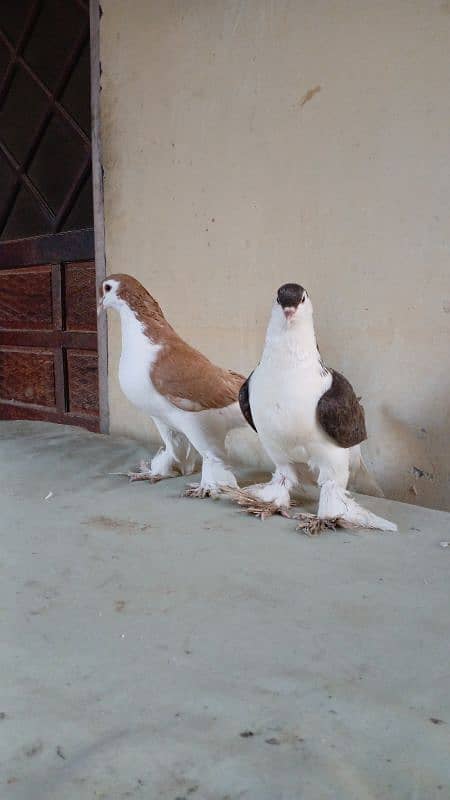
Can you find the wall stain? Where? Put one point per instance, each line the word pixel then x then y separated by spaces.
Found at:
pixel 309 95
pixel 417 472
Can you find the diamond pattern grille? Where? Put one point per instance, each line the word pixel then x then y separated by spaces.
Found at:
pixel 45 148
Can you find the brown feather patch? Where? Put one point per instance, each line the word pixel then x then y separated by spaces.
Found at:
pixel 146 308
pixel 180 373
pixel 190 381
pixel 340 414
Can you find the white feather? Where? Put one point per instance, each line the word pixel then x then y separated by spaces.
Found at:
pixel 335 502
pixel 184 432
pixel 284 392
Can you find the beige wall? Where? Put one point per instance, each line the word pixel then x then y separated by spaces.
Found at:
pixel 223 180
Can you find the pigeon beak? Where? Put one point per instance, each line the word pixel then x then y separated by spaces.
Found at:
pixel 289 312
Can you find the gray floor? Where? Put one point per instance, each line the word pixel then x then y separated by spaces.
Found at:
pixel 160 647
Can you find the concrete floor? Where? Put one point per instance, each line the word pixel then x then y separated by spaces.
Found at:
pixel 160 647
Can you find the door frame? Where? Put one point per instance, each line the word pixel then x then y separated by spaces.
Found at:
pixel 80 241
pixel 99 215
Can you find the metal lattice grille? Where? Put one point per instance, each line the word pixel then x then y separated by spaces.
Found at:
pixel 45 148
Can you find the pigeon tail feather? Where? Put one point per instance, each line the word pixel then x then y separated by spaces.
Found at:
pixel 361 479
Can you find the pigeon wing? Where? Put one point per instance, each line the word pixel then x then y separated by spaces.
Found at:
pixel 340 413
pixel 191 381
pixel 244 401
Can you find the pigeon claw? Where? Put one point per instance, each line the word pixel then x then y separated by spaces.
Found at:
pixel 143 476
pixel 143 473
pixel 311 525
pixel 197 490
pixel 252 505
pixel 262 510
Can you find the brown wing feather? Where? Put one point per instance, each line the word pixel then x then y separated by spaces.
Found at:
pixel 190 381
pixel 340 414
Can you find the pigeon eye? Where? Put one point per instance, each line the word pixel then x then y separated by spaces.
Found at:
pixel 278 300
pixel 303 298
pixel 107 287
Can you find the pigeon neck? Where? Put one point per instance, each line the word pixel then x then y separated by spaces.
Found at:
pixel 298 340
pixel 303 332
pixel 132 327
pixel 147 319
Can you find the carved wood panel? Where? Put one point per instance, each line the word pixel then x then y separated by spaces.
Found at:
pixel 48 338
pixel 26 299
pixel 82 369
pixel 48 325
pixel 27 376
pixel 79 283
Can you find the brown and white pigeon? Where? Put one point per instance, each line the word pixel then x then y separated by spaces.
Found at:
pixel 303 412
pixel 193 403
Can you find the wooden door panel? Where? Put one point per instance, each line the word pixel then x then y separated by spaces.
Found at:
pixel 79 283
pixel 27 376
pixel 82 369
pixel 26 299
pixel 48 324
pixel 48 337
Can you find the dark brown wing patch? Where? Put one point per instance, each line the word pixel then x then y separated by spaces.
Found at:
pixel 244 402
pixel 340 414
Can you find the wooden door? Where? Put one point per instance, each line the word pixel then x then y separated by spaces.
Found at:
pixel 48 326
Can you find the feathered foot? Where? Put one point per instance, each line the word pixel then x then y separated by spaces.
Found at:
pixel 144 476
pixel 311 525
pixel 143 473
pixel 197 490
pixel 253 505
pixel 336 503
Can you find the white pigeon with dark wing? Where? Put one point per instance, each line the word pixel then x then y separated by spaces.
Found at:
pixel 193 403
pixel 304 411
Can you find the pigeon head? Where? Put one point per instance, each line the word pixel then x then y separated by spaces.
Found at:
pixel 293 302
pixel 123 292
pixel 108 296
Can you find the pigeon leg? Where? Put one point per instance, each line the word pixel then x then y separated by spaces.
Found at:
pixel 199 491
pixel 161 466
pixel 265 499
pixel 253 505
pixel 214 475
pixel 144 473
pixel 327 518
pixel 335 502
pixel 338 503
pixel 312 525
pixel 177 457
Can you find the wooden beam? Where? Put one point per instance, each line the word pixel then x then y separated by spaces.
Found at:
pixel 48 249
pixel 99 215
